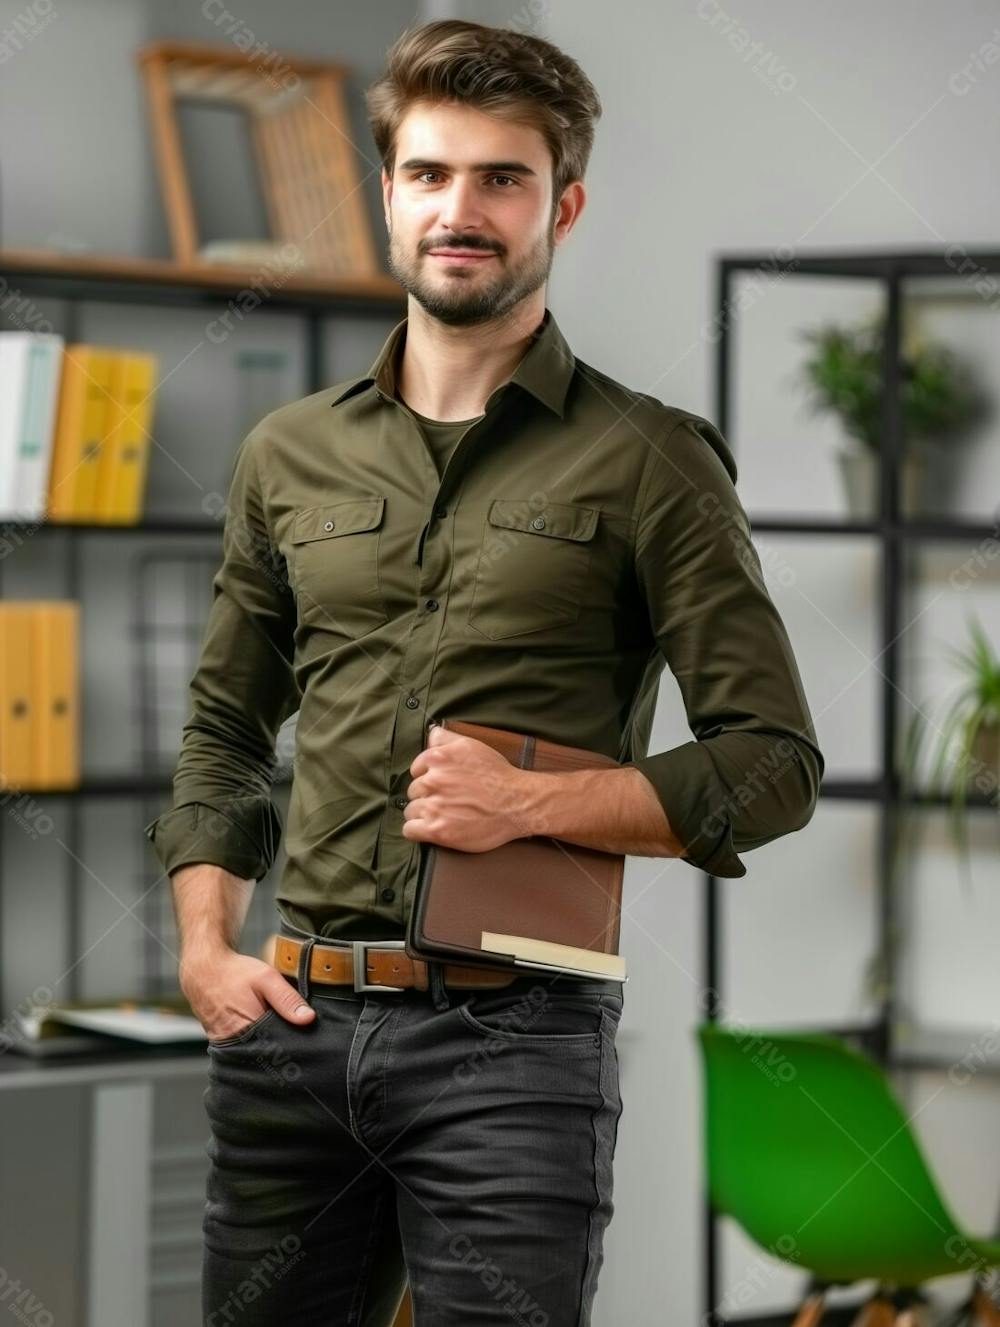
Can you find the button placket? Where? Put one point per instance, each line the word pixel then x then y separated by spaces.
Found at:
pixel 434 572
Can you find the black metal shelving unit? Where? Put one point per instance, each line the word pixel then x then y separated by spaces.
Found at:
pixel 131 285
pixel 893 533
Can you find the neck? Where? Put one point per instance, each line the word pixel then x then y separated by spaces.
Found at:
pixel 449 373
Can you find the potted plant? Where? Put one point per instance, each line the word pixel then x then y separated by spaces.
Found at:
pixel 939 399
pixel 964 736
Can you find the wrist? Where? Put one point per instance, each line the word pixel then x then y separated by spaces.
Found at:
pixel 534 799
pixel 204 954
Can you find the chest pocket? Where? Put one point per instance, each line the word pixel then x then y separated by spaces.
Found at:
pixel 532 568
pixel 334 557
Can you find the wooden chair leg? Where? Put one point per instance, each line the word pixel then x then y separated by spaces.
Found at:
pixel 404 1314
pixel 914 1316
pixel 811 1312
pixel 984 1312
pixel 876 1312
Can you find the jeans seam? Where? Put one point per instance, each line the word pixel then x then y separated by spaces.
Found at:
pixel 385 1059
pixel 589 1259
pixel 361 1289
pixel 351 1119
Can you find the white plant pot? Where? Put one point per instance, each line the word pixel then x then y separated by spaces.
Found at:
pixel 983 774
pixel 860 473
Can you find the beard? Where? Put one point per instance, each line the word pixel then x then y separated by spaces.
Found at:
pixel 467 298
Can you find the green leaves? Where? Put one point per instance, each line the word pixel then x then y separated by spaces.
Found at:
pixel 844 374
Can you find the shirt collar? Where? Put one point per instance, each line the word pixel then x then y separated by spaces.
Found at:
pixel 545 368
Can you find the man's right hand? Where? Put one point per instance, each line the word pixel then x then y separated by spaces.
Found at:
pixel 228 991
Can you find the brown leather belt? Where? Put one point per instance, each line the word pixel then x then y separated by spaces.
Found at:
pixel 379 965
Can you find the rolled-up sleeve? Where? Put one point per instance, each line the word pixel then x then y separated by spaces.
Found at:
pixel 754 770
pixel 242 691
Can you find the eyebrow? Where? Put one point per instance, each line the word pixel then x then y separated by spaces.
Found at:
pixel 507 167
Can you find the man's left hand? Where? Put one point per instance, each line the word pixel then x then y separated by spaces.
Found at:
pixel 464 795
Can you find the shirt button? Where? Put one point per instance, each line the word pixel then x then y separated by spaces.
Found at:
pixel 538 523
pixel 400 801
pixel 440 512
pixel 328 525
pixel 431 605
pixel 412 703
pixel 388 895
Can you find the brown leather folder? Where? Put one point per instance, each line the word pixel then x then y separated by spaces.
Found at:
pixel 535 902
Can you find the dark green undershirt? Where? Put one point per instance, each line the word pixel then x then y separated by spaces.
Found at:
pixel 442 435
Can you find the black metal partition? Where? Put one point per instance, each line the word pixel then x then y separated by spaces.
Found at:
pixel 893 532
pixel 167 538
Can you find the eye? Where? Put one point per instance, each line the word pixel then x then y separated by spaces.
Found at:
pixel 423 175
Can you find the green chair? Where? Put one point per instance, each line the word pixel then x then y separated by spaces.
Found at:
pixel 808 1149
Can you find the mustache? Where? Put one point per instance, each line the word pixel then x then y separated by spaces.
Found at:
pixel 461 245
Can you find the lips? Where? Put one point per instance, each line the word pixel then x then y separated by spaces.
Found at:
pixel 461 255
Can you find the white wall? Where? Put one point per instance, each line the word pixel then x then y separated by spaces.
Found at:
pixel 77 167
pixel 865 136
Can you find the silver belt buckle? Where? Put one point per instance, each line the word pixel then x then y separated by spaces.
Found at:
pixel 360 948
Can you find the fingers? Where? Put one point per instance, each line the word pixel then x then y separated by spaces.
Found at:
pixel 285 998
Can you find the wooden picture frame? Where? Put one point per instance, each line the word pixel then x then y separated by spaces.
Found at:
pixel 300 132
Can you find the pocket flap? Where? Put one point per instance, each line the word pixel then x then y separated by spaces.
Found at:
pixel 350 516
pixel 564 520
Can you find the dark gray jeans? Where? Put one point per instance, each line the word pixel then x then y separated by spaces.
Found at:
pixel 458 1140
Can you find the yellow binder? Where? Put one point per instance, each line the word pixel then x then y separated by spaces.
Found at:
pixel 81 422
pixel 16 724
pixel 121 477
pixel 56 699
pixel 55 649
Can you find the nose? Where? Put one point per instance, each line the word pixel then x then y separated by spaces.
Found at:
pixel 460 210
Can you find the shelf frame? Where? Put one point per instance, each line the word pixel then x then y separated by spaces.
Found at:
pixel 77 280
pixel 892 533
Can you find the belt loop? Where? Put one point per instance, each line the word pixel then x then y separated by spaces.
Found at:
pixel 439 992
pixel 305 953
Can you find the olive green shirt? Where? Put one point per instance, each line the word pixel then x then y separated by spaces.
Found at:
pixel 580 536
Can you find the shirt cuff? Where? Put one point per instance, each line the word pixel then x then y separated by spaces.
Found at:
pixel 693 799
pixel 242 837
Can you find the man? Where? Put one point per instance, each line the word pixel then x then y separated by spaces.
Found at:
pixel 486 527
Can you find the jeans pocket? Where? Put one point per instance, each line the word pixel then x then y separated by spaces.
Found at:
pixel 536 1016
pixel 245 1033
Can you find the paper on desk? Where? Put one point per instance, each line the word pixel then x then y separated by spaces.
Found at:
pixel 151 1025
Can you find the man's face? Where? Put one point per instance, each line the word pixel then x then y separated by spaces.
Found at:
pixel 470 207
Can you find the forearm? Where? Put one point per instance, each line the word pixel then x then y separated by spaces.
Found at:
pixel 612 810
pixel 210 906
pixel 753 771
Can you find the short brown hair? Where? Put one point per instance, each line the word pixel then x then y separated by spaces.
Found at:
pixel 498 71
